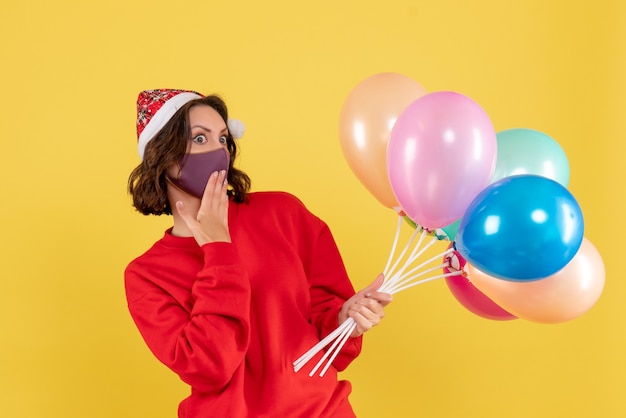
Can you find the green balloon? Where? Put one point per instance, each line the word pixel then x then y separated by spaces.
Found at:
pixel 526 151
pixel 451 229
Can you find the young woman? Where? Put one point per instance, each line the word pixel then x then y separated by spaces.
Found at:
pixel 243 283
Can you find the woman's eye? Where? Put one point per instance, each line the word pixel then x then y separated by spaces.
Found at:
pixel 222 139
pixel 199 139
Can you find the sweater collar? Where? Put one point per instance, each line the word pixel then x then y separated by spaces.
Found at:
pixel 173 241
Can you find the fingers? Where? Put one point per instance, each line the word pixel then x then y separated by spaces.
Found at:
pixel 215 200
pixel 367 312
pixel 371 291
pixel 362 324
pixel 187 217
pixel 214 197
pixel 223 197
pixel 382 298
pixel 375 285
pixel 180 208
pixel 210 223
pixel 364 321
pixel 366 306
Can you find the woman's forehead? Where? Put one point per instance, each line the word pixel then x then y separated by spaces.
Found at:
pixel 206 115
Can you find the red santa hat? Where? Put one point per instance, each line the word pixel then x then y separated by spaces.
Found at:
pixel 156 107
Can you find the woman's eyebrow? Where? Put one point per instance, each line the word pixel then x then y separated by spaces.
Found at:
pixel 207 129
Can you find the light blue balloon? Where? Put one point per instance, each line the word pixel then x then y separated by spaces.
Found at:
pixel 521 228
pixel 450 230
pixel 527 151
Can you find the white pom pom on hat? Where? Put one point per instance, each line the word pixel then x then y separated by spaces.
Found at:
pixel 156 107
pixel 236 128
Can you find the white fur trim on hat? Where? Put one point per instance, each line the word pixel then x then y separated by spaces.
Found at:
pixel 161 117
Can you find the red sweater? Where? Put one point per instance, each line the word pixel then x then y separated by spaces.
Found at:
pixel 230 319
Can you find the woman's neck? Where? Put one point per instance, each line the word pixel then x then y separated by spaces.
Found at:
pixel 192 205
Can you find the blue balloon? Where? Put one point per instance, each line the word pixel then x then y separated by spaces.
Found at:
pixel 521 228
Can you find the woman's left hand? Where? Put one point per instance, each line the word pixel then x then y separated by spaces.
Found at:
pixel 366 307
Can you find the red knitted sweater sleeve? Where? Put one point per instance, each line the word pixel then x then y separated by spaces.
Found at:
pixel 204 343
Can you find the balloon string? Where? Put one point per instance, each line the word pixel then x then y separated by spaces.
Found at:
pixel 454 273
pixel 343 341
pixel 423 250
pixel 303 359
pixel 394 282
pixel 425 263
pixel 393 246
pixel 413 253
pixel 347 330
pixel 406 248
pixel 407 278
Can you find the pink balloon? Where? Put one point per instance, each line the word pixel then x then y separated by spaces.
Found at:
pixel 441 154
pixel 471 298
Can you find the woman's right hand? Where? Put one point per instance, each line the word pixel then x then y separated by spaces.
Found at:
pixel 211 222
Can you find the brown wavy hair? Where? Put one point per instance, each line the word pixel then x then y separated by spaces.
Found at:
pixel 147 182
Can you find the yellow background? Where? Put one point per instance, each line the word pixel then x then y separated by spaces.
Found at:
pixel 70 74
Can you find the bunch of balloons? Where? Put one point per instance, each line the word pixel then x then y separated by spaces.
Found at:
pixel 501 199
